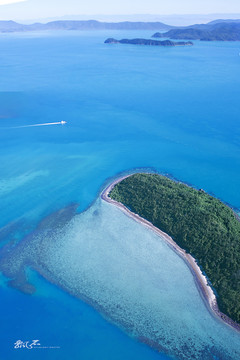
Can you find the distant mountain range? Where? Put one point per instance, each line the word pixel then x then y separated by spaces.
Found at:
pixel 12 26
pixel 218 30
pixel 221 30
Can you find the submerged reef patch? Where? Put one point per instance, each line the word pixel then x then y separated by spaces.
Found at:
pixel 127 273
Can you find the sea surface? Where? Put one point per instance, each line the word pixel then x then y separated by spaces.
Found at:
pixel 76 273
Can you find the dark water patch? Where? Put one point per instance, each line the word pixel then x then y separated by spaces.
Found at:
pixel 20 283
pixel 14 258
pixel 11 232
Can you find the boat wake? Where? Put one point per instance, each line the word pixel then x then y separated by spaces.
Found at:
pixel 35 125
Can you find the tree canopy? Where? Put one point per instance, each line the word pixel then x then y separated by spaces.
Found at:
pixel 199 223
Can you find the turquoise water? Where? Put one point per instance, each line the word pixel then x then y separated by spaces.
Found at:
pixel 172 109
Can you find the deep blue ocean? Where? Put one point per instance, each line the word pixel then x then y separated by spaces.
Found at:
pixel 172 110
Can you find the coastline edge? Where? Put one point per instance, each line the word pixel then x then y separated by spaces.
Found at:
pixel 201 280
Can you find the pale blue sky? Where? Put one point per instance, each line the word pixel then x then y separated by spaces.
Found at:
pixel 46 8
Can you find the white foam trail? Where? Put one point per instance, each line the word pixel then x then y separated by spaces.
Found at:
pixel 44 124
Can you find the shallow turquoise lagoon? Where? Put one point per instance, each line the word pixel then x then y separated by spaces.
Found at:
pixel 174 110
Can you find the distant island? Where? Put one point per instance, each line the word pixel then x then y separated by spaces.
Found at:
pixel 201 226
pixel 210 32
pixel 148 42
pixel 222 30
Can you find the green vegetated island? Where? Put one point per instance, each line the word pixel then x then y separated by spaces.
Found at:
pixel 148 42
pixel 199 223
pixel 215 31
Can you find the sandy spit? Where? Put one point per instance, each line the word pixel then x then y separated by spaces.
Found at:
pixel 201 280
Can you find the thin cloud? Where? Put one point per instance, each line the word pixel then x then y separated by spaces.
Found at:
pixel 6 2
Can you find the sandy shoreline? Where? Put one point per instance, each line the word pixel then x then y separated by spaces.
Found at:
pixel 201 280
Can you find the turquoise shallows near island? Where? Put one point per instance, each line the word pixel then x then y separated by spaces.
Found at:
pixel 126 107
pixel 198 222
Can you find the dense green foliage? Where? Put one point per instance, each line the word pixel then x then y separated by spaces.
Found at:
pixel 199 223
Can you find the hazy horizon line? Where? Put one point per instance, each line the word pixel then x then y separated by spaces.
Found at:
pixel 183 18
